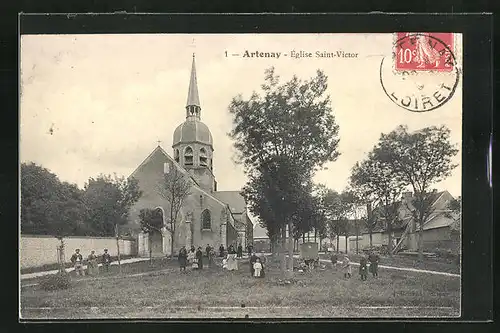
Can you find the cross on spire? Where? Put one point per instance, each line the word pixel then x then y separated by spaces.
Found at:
pixel 193 100
pixel 159 141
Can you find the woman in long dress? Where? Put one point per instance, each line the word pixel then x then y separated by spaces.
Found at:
pixel 191 259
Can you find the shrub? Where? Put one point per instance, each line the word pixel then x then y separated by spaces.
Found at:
pixel 57 281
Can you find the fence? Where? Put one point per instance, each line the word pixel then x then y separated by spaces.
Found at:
pixel 35 250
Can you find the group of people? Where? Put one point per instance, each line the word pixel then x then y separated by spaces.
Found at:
pixel 373 259
pixel 194 258
pixel 92 262
pixel 232 249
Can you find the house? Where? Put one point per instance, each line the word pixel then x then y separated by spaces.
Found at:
pixel 440 231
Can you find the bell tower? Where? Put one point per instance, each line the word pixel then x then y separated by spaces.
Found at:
pixel 193 143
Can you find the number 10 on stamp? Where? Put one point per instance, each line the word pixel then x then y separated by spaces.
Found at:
pixel 424 51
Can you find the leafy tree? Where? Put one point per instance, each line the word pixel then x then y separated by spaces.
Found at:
pixel 289 124
pixel 419 159
pixel 108 201
pixel 175 189
pixel 374 178
pixel 49 206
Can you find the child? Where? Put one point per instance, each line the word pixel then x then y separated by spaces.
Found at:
pixel 363 269
pixel 257 266
pixel 346 266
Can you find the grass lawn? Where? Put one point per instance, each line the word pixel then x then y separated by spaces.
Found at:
pixel 167 293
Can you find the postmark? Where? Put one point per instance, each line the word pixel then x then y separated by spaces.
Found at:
pixel 427 78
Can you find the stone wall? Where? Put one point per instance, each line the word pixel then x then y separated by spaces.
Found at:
pixel 35 250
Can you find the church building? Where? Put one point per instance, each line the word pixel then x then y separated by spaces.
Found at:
pixel 207 216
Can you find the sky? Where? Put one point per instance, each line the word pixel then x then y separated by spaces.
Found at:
pixel 93 104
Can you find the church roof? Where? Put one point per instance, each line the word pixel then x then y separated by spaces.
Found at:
pixel 192 131
pixel 259 232
pixel 159 149
pixel 234 199
pixel 193 97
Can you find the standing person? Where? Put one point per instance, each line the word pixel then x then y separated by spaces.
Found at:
pixel 106 260
pixel 199 257
pixel 208 249
pixel 221 251
pixel 211 256
pixel 263 263
pixel 230 249
pixel 363 269
pixel 334 258
pixel 191 258
pixel 346 266
pixel 183 258
pixel 373 258
pixel 250 250
pixel 240 251
pixel 77 260
pixel 257 267
pixel 253 259
pixel 92 265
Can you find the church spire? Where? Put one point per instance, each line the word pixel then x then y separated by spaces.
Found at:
pixel 193 107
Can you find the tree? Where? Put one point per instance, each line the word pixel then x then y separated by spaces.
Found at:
pixel 293 120
pixel 374 178
pixel 175 189
pixel 150 220
pixel 49 206
pixel 419 159
pixel 108 201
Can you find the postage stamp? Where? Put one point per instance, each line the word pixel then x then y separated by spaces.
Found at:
pixel 423 73
pixel 424 51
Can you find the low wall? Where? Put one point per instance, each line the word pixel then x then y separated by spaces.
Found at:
pixel 35 250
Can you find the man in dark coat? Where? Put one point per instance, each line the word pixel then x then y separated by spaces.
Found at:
pixel 183 258
pixel 208 249
pixel 199 256
pixel 253 259
pixel 373 258
pixel 106 260
pixel 240 251
pixel 250 250
pixel 363 269
pixel 221 250
pixel 77 260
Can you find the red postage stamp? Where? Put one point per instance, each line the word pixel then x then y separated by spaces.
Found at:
pixel 424 51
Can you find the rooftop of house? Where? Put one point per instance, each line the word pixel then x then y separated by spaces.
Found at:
pixel 234 199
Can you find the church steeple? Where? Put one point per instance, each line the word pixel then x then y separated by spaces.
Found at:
pixel 193 108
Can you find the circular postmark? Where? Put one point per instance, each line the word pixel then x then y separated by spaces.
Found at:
pixel 426 77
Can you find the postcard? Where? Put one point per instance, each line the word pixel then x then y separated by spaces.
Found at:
pixel 240 175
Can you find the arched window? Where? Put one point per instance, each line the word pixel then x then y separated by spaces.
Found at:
pixel 188 156
pixel 176 155
pixel 206 220
pixel 203 157
pixel 211 165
